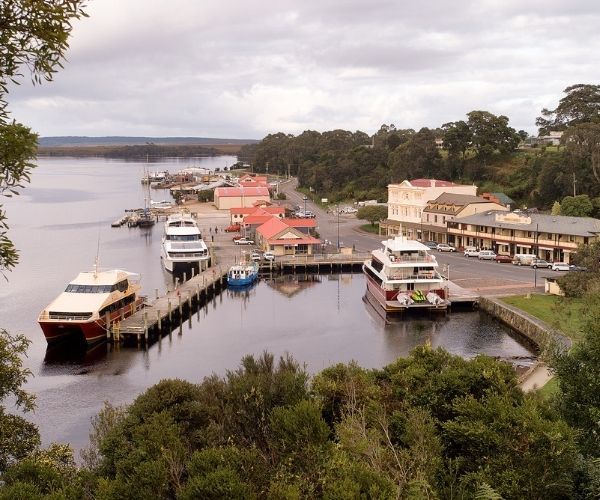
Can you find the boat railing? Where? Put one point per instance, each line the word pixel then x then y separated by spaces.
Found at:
pixel 188 255
pixel 186 245
pixel 411 258
pixel 419 276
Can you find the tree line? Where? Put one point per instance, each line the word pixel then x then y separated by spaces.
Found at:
pixel 482 149
pixel 432 425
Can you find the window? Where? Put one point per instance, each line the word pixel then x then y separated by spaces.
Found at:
pixel 435 218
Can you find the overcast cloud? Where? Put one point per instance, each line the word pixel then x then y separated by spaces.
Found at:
pixel 243 69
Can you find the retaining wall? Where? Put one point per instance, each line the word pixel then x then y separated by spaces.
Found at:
pixel 533 329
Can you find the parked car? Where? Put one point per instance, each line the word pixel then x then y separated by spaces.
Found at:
pixel 444 247
pixel 270 256
pixel 487 255
pixel 523 259
pixel 560 266
pixel 573 267
pixel 503 258
pixel 535 263
pixel 256 256
pixel 471 252
pixel 234 228
pixel 431 244
pixel 243 241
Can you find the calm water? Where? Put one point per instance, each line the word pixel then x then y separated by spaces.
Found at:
pixel 57 223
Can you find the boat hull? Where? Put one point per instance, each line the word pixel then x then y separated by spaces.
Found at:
pixel 177 266
pixel 92 330
pixel 232 282
pixel 387 299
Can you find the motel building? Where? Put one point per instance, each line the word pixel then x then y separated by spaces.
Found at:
pixel 550 237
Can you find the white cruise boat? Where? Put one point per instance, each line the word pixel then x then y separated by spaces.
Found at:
pixel 182 245
pixel 402 275
pixel 90 304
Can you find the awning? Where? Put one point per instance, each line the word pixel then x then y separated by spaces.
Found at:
pixel 523 246
pixel 546 248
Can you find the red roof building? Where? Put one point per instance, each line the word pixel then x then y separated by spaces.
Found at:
pixel 277 236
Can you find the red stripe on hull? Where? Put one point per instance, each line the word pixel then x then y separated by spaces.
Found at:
pixel 91 331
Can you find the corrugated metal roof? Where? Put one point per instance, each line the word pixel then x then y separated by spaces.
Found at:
pixel 241 191
pixel 543 223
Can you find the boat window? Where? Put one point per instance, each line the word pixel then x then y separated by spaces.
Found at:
pixel 122 285
pixel 74 288
pixel 377 265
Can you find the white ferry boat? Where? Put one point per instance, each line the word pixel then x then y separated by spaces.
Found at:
pixel 403 275
pixel 182 245
pixel 91 302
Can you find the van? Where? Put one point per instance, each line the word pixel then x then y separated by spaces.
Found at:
pixel 486 255
pixel 523 259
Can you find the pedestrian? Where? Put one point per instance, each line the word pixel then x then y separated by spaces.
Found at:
pixel 212 238
pixel 216 230
pixel 210 230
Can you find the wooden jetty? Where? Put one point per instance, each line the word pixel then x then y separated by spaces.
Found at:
pixel 317 263
pixel 171 309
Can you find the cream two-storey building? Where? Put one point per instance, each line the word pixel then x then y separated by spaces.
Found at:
pixel 407 200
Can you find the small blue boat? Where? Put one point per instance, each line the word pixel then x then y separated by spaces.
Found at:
pixel 242 274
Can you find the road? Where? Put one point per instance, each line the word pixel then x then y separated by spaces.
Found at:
pixel 486 277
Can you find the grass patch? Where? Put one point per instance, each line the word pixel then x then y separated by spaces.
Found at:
pixel 370 228
pixel 550 388
pixel 566 314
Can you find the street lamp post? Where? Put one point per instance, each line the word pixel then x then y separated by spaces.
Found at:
pixel 537 251
pixel 338 228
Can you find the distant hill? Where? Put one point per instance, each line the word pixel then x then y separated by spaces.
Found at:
pixel 83 141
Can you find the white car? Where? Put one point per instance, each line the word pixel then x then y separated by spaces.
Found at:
pixel 471 252
pixel 256 256
pixel 270 256
pixel 487 255
pixel 243 241
pixel 444 247
pixel 560 266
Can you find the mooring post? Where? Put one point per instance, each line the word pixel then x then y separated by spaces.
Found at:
pixel 176 283
pixel 180 315
pixel 198 294
pixel 190 310
pixel 146 326
pixel 193 271
pixel 169 310
pixel 156 293
pixel 158 321
pixel 107 324
pixel 184 277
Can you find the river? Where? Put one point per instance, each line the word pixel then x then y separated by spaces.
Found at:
pixel 61 221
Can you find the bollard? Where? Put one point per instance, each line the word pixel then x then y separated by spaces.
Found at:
pixel 184 277
pixel 193 271
pixel 177 282
pixel 156 293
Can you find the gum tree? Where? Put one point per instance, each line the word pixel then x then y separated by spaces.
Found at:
pixel 33 40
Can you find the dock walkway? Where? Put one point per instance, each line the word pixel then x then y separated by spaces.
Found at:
pixel 171 308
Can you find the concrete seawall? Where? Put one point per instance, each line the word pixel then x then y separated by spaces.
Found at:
pixel 534 330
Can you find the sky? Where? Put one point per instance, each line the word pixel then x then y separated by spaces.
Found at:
pixel 244 69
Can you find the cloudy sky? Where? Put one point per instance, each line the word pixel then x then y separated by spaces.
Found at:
pixel 242 69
